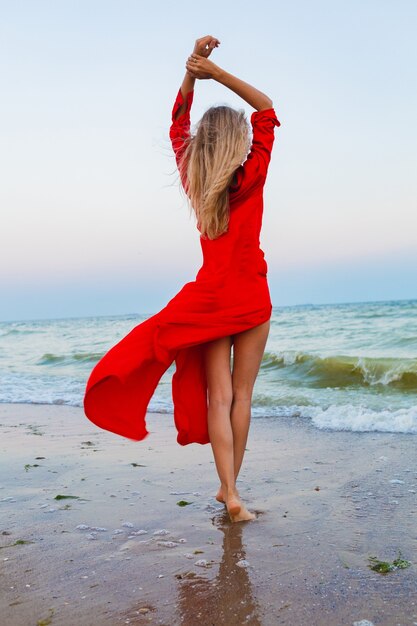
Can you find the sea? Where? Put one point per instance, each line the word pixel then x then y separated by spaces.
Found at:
pixel 345 366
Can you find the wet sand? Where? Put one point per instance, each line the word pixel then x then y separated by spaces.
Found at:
pixel 325 502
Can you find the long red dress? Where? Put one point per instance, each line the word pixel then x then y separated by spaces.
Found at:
pixel 230 294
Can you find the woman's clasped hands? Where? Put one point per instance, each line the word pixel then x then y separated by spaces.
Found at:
pixel 198 64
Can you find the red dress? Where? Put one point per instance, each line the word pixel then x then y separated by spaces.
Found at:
pixel 230 294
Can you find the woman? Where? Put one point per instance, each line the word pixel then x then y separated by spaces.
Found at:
pixel 227 304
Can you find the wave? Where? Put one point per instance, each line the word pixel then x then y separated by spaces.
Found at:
pixel 344 371
pixel 78 357
pixel 346 417
pixel 363 419
pixel 306 370
pixel 20 331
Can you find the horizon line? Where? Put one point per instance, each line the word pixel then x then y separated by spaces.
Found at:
pixel 280 306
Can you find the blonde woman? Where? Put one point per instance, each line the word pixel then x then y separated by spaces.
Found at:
pixel 223 173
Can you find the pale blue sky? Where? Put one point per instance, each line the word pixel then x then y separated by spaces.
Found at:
pixel 92 220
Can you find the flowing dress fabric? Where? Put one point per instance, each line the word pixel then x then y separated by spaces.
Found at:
pixel 230 294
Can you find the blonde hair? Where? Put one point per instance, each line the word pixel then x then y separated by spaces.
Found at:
pixel 211 157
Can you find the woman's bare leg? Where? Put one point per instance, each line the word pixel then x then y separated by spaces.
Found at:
pixel 248 349
pixel 220 395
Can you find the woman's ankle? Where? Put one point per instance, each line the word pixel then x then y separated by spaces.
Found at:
pixel 229 490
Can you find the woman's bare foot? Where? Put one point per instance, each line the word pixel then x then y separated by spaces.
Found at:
pixel 243 515
pixel 219 496
pixel 233 504
pixel 235 508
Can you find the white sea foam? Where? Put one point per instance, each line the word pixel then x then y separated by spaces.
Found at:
pixel 346 366
pixel 361 419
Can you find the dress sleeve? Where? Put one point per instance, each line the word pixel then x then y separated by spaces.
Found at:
pixel 254 170
pixel 179 131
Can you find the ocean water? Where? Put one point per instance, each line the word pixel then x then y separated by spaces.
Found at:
pixel 344 366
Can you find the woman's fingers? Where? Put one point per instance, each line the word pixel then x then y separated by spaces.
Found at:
pixel 193 60
pixel 190 67
pixel 189 64
pixel 193 70
pixel 205 45
pixel 200 66
pixel 211 45
pixel 203 41
pixel 197 70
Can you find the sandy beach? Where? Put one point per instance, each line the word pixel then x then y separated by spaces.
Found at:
pixel 121 550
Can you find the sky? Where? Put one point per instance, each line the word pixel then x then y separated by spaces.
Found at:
pixel 92 218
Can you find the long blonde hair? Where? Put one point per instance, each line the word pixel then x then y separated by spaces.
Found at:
pixel 210 158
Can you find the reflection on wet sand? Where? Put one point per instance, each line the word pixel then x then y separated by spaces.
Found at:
pixel 227 598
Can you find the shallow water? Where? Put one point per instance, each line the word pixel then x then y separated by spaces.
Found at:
pixel 344 366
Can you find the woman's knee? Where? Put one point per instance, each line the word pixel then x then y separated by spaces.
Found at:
pixel 219 376
pixel 242 393
pixel 220 399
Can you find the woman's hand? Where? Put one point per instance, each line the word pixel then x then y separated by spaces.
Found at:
pixel 200 67
pixel 205 46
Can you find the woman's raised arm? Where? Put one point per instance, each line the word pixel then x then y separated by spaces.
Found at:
pixel 203 47
pixel 257 99
pixel 200 67
pixel 186 86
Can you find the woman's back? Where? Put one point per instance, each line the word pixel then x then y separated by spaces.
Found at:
pixel 235 257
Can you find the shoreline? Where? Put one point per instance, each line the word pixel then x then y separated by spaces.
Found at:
pixel 325 502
